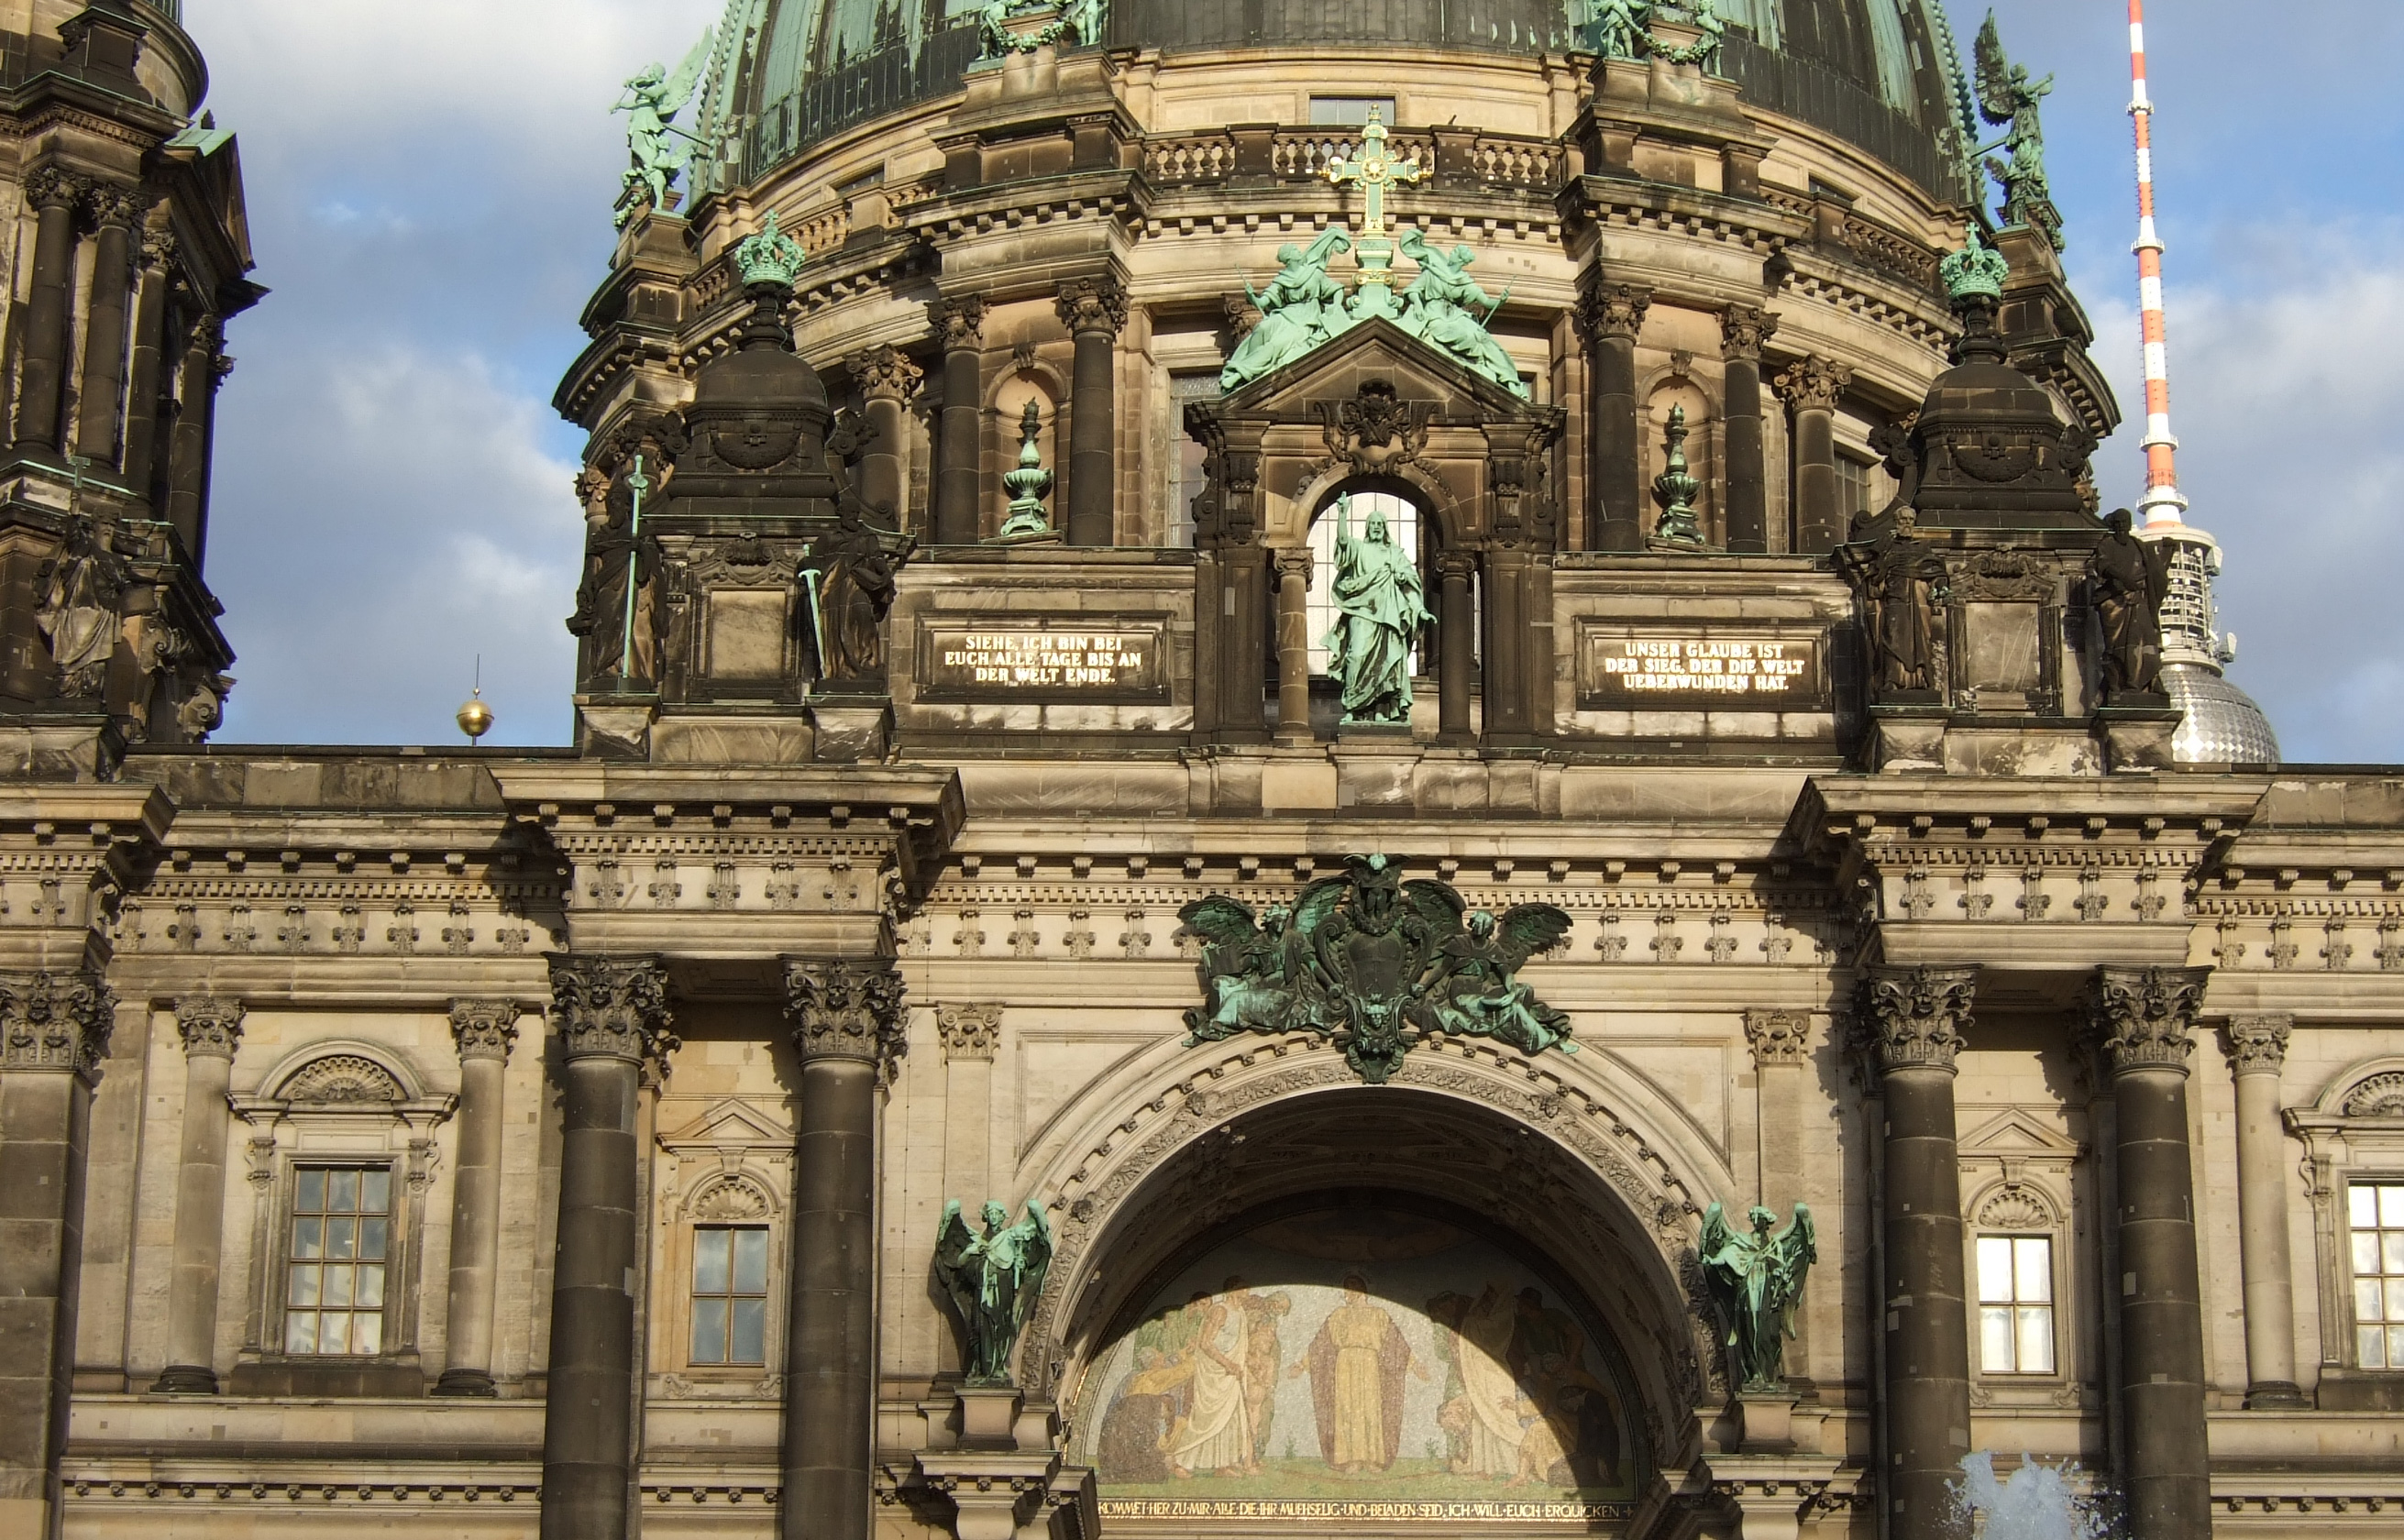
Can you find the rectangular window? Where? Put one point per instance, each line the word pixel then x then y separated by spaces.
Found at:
pixel 2375 1216
pixel 1185 476
pixel 1332 111
pixel 730 1294
pixel 334 1281
pixel 2016 1304
pixel 1852 485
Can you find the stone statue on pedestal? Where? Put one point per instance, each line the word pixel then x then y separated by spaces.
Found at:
pixel 2127 580
pixel 1755 1280
pixel 993 1282
pixel 1900 581
pixel 1379 614
pixel 848 586
pixel 78 614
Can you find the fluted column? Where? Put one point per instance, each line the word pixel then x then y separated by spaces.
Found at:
pixel 41 388
pixel 847 1027
pixel 188 470
pixel 484 1031
pixel 1810 387
pixel 1457 649
pixel 211 1028
pixel 2258 1046
pixel 887 378
pixel 1292 567
pixel 610 1014
pixel 1092 310
pixel 960 325
pixel 100 400
pixel 1613 315
pixel 1913 1019
pixel 2141 1022
pixel 53 1036
pixel 142 394
pixel 1742 330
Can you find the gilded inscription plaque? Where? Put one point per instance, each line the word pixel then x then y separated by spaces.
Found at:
pixel 1038 661
pixel 1730 668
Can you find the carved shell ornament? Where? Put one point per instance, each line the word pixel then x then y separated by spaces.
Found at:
pixel 2379 1096
pixel 341 1077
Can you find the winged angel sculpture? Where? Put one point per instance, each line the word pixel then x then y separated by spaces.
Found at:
pixel 1370 961
pixel 1755 1280
pixel 992 1281
pixel 2009 100
pixel 660 150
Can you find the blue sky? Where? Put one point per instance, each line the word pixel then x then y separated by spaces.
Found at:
pixel 429 187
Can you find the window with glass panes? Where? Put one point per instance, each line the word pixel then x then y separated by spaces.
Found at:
pixel 334 1270
pixel 730 1294
pixel 2016 1304
pixel 2375 1215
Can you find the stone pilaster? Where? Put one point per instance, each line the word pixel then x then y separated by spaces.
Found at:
pixel 1093 309
pixel 2141 1022
pixel 1912 1020
pixel 1742 330
pixel 887 377
pixel 1811 387
pixel 960 325
pixel 847 1027
pixel 1613 315
pixel 211 1029
pixel 99 405
pixel 1293 568
pixel 611 1015
pixel 53 1034
pixel 41 389
pixel 484 1031
pixel 2258 1047
pixel 1457 644
pixel 1781 1045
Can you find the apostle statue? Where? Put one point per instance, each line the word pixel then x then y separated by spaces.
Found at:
pixel 1301 308
pixel 847 580
pixel 993 1282
pixel 1755 1282
pixel 1900 580
pixel 621 633
pixel 79 609
pixel 2127 580
pixel 1435 310
pixel 1380 613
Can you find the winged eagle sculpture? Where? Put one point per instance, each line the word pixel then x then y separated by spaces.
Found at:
pixel 1373 963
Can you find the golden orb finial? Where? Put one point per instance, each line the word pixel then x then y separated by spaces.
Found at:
pixel 475 718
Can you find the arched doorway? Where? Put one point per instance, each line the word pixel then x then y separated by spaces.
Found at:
pixel 1437 1301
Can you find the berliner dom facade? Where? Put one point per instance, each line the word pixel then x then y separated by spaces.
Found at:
pixel 1343 769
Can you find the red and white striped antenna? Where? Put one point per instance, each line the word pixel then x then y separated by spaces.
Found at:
pixel 2162 506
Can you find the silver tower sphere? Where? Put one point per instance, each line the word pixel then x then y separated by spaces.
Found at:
pixel 2221 724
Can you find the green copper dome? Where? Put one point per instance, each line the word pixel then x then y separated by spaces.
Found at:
pixel 788 73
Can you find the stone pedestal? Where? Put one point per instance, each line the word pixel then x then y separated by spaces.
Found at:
pixel 852 728
pixel 617 726
pixel 1770 1495
pixel 989 1417
pixel 2137 736
pixel 1767 1420
pixel 1909 735
pixel 995 1494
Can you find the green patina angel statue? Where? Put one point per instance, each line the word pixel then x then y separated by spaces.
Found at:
pixel 661 151
pixel 1755 1282
pixel 1434 309
pixel 993 1282
pixel 1301 308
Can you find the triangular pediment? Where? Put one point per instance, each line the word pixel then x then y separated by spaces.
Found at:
pixel 1376 349
pixel 730 1124
pixel 2016 1134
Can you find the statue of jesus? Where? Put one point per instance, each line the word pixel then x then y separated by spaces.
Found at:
pixel 1379 614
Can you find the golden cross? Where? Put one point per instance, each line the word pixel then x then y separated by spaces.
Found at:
pixel 1374 171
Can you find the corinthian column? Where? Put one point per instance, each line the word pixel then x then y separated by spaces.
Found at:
pixel 960 442
pixel 1292 567
pixel 1092 310
pixel 2259 1044
pixel 211 1028
pixel 611 1015
pixel 1913 1019
pixel 1742 330
pixel 485 1031
pixel 1613 315
pixel 53 1035
pixel 847 1020
pixel 2141 1022
pixel 886 377
pixel 1810 387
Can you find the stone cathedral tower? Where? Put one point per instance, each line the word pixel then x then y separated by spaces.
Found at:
pixel 1418 687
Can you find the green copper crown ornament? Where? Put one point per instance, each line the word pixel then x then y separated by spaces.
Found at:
pixel 771 257
pixel 1976 270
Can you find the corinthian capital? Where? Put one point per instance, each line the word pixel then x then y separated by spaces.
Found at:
pixel 1742 330
pixel 2259 1043
pixel 884 373
pixel 1092 304
pixel 2143 1018
pixel 49 187
pixel 845 1010
pixel 114 203
pixel 1614 310
pixel 614 1007
pixel 1813 384
pixel 960 322
pixel 484 1029
pixel 968 1032
pixel 209 1025
pixel 54 1022
pixel 1913 1017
